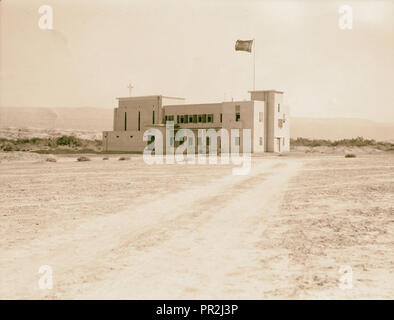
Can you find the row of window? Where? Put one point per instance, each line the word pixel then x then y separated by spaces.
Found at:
pixel 195 118
pixel 198 118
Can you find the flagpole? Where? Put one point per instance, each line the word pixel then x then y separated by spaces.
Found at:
pixel 254 64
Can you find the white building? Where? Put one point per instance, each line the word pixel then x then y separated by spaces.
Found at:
pixel 264 114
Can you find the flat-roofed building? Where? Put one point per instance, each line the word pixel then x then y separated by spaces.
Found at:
pixel 264 114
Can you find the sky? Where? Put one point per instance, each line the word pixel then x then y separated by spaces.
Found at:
pixel 186 49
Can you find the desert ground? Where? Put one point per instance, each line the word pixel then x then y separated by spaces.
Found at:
pixel 124 229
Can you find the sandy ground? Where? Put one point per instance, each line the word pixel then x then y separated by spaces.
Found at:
pixel 123 229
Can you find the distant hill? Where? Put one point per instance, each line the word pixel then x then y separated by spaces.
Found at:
pixel 90 119
pixel 101 119
pixel 341 128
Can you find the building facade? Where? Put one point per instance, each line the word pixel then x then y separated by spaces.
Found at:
pixel 264 115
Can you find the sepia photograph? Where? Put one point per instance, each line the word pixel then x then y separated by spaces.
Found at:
pixel 169 150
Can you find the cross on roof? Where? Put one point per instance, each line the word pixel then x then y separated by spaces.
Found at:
pixel 130 88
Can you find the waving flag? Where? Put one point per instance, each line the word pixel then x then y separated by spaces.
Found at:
pixel 244 45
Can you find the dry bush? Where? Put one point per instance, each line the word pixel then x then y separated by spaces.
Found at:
pixel 68 141
pixel 83 159
pixel 8 148
pixel 123 158
pixel 51 160
pixel 350 155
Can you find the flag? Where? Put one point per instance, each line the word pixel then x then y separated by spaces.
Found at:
pixel 244 45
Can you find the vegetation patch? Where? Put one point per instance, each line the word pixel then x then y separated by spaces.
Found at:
pixel 70 141
pixel 52 145
pixel 354 142
pixel 83 158
pixel 350 155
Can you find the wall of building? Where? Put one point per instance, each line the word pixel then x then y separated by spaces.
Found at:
pixel 258 126
pixel 129 141
pixel 224 116
pixel 148 108
pixel 277 139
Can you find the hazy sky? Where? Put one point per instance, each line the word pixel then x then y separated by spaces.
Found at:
pixel 186 48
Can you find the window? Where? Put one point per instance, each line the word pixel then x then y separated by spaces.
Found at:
pixel 172 141
pixel 221 117
pixel 210 118
pixel 194 118
pixel 261 141
pixel 169 118
pixel 280 123
pixel 207 141
pixel 278 107
pixel 139 121
pixel 204 118
pixel 125 121
pixel 261 116
pixel 237 141
pixel 190 119
pixel 181 118
pixel 177 118
pixel 190 139
pixel 237 113
pixel 186 117
pixel 153 117
pixel 200 118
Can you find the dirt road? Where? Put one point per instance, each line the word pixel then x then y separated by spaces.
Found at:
pixel 196 242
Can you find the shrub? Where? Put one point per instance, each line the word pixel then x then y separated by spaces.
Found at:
pixel 106 158
pixel 51 160
pixel 83 159
pixel 22 141
pixel 123 158
pixel 354 142
pixel 36 140
pixel 7 148
pixel 68 141
pixel 51 143
pixel 350 155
